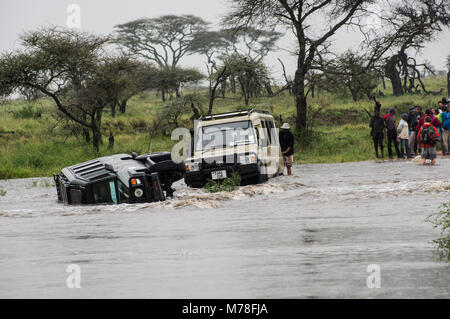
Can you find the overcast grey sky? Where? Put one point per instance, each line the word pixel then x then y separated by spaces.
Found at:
pixel 99 16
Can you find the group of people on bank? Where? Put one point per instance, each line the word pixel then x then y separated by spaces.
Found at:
pixel 417 132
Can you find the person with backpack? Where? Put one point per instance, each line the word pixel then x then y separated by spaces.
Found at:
pixel 445 139
pixel 392 133
pixel 403 134
pixel 377 124
pixel 428 137
pixel 434 120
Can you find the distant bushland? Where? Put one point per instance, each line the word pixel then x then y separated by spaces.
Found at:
pixel 34 141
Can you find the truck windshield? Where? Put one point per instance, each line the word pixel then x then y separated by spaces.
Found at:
pixel 225 135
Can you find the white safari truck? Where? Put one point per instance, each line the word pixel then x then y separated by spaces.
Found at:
pixel 245 142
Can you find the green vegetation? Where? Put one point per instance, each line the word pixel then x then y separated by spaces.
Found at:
pixel 34 141
pixel 2 192
pixel 42 183
pixel 228 184
pixel 442 220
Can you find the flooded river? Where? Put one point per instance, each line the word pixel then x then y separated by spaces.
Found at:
pixel 312 235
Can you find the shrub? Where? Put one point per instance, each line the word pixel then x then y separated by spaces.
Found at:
pixel 442 220
pixel 27 112
pixel 228 184
pixel 138 124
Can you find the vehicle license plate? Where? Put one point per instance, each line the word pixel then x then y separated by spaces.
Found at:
pixel 219 174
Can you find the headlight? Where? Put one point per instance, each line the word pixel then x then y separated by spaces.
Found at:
pixel 247 159
pixel 135 181
pixel 192 167
pixel 138 192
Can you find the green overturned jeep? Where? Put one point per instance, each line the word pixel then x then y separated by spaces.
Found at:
pixel 119 178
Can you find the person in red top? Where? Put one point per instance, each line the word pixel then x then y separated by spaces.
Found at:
pixel 427 142
pixel 434 120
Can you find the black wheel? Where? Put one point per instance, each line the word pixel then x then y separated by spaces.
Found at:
pixel 160 157
pixel 263 177
pixel 155 157
pixel 195 185
pixel 167 166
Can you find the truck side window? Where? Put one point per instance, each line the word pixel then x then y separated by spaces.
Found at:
pixel 269 136
pixel 273 133
pixel 264 139
pixel 105 192
pixel 112 188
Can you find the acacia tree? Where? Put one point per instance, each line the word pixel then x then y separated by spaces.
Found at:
pixel 143 79
pixel 250 75
pixel 408 26
pixel 218 46
pixel 349 72
pixel 252 43
pixel 70 68
pixel 169 81
pixel 163 40
pixel 298 16
pixel 213 45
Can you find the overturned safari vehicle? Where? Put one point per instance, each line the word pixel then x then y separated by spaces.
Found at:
pixel 120 178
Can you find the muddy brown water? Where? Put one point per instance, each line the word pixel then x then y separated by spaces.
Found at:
pixel 311 235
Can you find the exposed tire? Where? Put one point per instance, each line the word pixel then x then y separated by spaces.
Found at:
pixel 161 156
pixel 256 179
pixel 155 157
pixel 263 177
pixel 169 172
pixel 195 185
pixel 167 167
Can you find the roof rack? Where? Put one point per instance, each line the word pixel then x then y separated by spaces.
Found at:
pixel 231 114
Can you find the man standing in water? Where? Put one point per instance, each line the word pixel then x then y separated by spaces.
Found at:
pixel 287 146
pixel 392 134
pixel 377 132
pixel 427 137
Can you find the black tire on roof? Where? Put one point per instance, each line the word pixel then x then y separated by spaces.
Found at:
pixel 167 166
pixel 155 157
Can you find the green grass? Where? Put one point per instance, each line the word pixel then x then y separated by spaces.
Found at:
pixel 37 148
pixel 346 143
